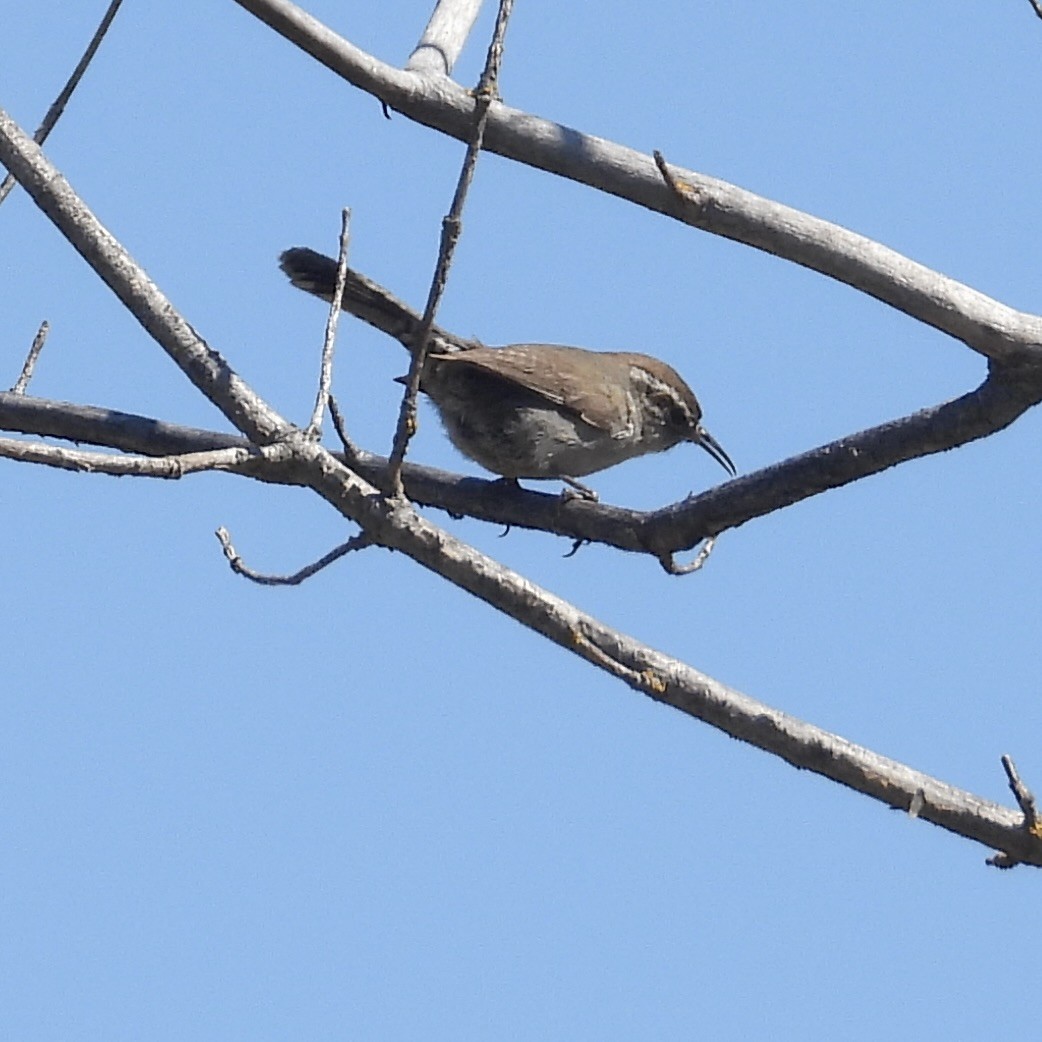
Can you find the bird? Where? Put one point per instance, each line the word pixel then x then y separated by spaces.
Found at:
pixel 542 411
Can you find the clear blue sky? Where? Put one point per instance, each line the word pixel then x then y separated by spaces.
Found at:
pixel 369 808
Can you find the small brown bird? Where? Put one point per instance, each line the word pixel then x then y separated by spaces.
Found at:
pixel 547 411
pixel 535 410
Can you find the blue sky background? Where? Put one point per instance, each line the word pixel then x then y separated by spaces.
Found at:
pixel 370 808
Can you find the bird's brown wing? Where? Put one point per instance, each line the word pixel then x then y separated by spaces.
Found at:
pixel 600 401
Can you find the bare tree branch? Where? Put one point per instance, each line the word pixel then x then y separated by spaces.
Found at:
pixel 171 467
pixel 325 379
pixel 672 682
pixel 58 107
pixel 210 373
pixel 444 37
pixel 108 428
pixel 451 227
pixel 394 524
pixel 989 327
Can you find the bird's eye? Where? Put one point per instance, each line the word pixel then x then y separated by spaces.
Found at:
pixel 679 416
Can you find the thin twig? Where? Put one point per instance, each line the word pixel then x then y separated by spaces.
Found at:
pixel 314 428
pixel 63 98
pixel 1026 801
pixel 171 467
pixel 669 563
pixel 238 566
pixel 1024 797
pixel 450 233
pixel 340 426
pixel 30 360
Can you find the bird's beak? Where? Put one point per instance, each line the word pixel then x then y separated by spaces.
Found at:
pixel 715 449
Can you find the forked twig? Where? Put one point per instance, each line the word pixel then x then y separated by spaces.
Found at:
pixel 1024 796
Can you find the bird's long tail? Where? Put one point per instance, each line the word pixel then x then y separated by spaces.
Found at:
pixel 315 273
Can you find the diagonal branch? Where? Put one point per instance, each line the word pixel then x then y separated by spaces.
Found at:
pixel 395 525
pixel 138 293
pixel 989 327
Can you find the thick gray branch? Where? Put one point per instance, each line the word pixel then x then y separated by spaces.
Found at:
pixel 984 324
